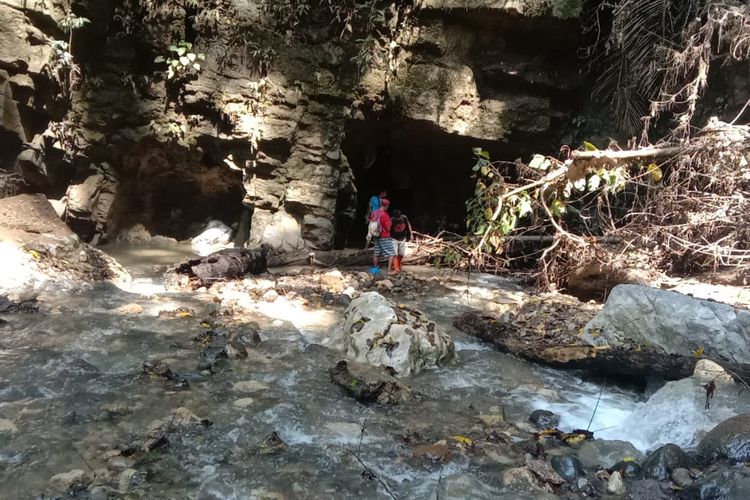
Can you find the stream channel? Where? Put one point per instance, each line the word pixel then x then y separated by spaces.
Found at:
pixel 71 383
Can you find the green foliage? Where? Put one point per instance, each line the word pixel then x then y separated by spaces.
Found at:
pixel 554 192
pixel 181 61
pixel 173 131
pixel 72 22
pixel 487 212
pixel 287 14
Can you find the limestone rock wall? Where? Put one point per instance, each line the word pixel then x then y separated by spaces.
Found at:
pixel 263 120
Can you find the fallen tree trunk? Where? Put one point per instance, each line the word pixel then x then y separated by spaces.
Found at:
pixel 225 264
pixel 567 353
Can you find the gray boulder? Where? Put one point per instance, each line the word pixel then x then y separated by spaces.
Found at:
pixel 379 333
pixel 729 441
pixel 605 453
pixel 661 463
pixel 636 315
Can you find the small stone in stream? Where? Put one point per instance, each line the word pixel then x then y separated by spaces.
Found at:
pixel 249 386
pixel 156 441
pixel 616 486
pixel 161 369
pixel 544 419
pixel 369 384
pixel 332 281
pixel 120 463
pixel 492 419
pixel 651 489
pixel 210 356
pixel 243 402
pixel 535 448
pixel 605 453
pixel 681 477
pixel 129 309
pixel 521 478
pixel 125 480
pixel 543 471
pixel 270 296
pixel 660 463
pixel 433 454
pixel 729 441
pixel 569 467
pixel 384 285
pixel 271 444
pixel 582 483
pixel 157 368
pixel 709 371
pixel 71 482
pixel 7 426
pixel 627 468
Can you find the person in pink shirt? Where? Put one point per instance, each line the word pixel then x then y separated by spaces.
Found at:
pixel 383 243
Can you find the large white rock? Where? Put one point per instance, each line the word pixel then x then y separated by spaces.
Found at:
pixel 217 235
pixel 674 323
pixel 377 332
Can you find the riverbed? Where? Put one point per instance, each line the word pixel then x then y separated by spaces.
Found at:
pixel 72 393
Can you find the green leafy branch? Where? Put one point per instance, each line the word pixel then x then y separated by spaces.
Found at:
pixel 181 61
pixel 499 208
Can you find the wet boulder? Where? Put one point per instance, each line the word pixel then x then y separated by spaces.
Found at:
pixel 661 463
pixel 568 466
pixel 724 484
pixel 671 323
pixel 369 384
pixel 380 333
pixel 544 419
pixel 604 453
pixel 71 482
pixel 727 442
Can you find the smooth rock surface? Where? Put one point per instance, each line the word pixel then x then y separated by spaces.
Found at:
pixel 604 453
pixel 568 466
pixel 656 422
pixel 671 322
pixel 661 463
pixel 215 236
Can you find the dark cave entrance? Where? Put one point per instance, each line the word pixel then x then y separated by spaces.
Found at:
pixel 426 171
pixel 177 191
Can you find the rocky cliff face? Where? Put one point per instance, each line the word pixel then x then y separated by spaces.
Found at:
pixel 292 117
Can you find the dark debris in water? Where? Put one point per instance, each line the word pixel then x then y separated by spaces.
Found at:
pixel 23 306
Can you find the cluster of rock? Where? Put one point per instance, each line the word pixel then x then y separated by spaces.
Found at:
pixel 116 154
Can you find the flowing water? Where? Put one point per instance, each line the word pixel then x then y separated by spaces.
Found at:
pixel 71 389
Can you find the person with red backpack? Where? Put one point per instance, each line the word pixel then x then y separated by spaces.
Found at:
pixel 401 234
pixel 380 230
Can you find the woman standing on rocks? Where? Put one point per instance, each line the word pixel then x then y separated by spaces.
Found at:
pixel 383 242
pixel 401 233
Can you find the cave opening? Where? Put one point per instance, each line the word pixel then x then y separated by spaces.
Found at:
pixel 426 171
pixel 175 192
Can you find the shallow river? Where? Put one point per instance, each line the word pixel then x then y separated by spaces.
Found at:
pixel 70 383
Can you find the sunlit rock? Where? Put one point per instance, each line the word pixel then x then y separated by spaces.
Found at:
pixel 672 323
pixel 380 333
pixel 215 236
